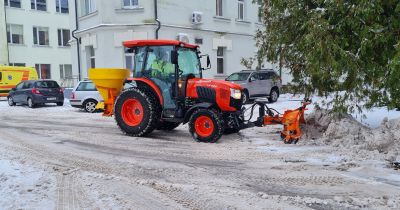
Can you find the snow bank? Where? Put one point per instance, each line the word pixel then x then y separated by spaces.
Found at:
pixel 323 128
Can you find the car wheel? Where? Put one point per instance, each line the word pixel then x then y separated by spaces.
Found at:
pixel 60 103
pixel 10 101
pixel 274 95
pixel 31 104
pixel 245 98
pixel 90 105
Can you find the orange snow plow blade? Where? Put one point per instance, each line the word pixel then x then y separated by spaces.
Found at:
pixel 109 83
pixel 291 121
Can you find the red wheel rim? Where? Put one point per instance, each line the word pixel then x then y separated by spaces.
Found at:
pixel 204 126
pixel 132 112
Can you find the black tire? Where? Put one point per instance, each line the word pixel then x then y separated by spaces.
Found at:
pixel 245 97
pixel 218 125
pixel 31 103
pixel 167 126
pixel 89 105
pixel 273 95
pixel 10 101
pixel 60 103
pixel 151 112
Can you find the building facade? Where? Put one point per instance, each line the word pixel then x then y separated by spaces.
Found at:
pixel 38 34
pixel 224 29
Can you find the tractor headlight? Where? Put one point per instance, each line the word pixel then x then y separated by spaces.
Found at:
pixel 236 94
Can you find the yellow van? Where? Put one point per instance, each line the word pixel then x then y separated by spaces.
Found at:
pixel 10 76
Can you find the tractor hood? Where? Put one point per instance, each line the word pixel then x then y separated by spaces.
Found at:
pixel 214 83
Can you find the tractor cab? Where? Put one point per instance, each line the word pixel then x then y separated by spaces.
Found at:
pixel 168 65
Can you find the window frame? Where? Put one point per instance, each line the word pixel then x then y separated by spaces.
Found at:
pixel 131 5
pixel 241 5
pixel 38 68
pixel 10 33
pixel 219 58
pixel 63 74
pixel 59 9
pixel 38 36
pixel 35 3
pixel 219 10
pixel 7 3
pixel 88 7
pixel 60 36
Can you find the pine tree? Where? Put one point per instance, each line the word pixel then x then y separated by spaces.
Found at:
pixel 346 48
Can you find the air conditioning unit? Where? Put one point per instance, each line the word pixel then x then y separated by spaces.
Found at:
pixel 183 37
pixel 197 18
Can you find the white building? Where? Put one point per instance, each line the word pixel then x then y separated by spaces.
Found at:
pixel 37 33
pixel 224 29
pixel 3 36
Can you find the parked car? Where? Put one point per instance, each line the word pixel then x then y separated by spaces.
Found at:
pixel 35 92
pixel 261 83
pixel 10 76
pixel 85 96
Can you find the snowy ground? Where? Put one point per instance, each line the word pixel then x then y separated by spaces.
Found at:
pixel 63 158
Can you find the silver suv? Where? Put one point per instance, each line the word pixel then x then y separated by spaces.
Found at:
pixel 261 83
pixel 85 96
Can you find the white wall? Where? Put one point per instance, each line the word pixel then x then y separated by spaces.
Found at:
pixel 30 54
pixel 3 37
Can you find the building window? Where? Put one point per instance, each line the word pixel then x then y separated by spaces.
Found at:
pixel 88 6
pixel 39 5
pixel 63 37
pixel 220 60
pixel 17 64
pixel 65 71
pixel 15 34
pixel 198 41
pixel 91 58
pixel 219 6
pixel 62 6
pixel 131 3
pixel 241 9
pixel 41 36
pixel 12 3
pixel 43 71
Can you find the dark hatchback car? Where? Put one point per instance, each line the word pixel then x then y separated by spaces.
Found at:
pixel 36 92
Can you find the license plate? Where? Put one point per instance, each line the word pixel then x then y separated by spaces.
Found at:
pixel 51 99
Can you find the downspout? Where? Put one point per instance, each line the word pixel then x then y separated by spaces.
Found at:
pixel 77 41
pixel 156 18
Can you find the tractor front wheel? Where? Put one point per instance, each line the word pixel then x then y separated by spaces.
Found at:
pixel 136 112
pixel 206 125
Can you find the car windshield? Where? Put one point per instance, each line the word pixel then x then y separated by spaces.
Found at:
pixel 47 84
pixel 238 77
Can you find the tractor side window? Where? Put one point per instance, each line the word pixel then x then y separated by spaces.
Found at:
pixel 140 54
pixel 188 62
pixel 159 64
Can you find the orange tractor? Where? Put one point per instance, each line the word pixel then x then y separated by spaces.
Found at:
pixel 167 89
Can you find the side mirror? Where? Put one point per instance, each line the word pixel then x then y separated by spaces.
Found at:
pixel 174 57
pixel 252 79
pixel 208 62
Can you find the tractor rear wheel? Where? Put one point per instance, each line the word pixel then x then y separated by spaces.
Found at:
pixel 137 112
pixel 167 126
pixel 206 125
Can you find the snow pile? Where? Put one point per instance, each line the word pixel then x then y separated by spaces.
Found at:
pixel 323 128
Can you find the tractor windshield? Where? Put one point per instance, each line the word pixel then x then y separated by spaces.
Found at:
pixel 188 62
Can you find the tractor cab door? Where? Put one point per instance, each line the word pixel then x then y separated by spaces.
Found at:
pixel 154 63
